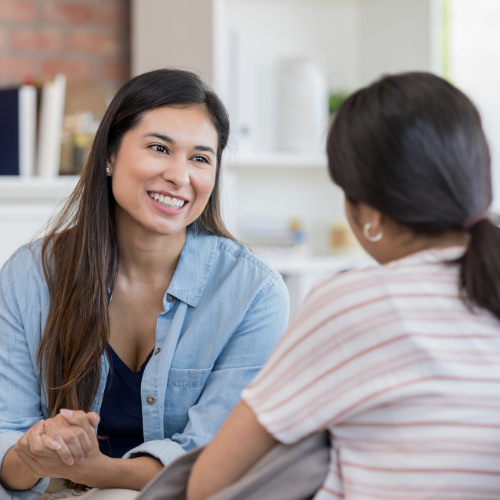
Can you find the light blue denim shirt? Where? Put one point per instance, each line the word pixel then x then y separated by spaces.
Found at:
pixel 224 312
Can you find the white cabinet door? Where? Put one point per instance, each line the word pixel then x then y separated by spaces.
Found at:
pixel 26 206
pixel 19 223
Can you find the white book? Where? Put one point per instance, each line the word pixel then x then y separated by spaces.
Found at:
pixel 51 120
pixel 27 130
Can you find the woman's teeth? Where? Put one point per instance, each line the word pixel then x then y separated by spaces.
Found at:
pixel 167 201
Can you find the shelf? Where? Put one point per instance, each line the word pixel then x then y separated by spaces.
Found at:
pixel 277 160
pixel 325 265
pixel 21 189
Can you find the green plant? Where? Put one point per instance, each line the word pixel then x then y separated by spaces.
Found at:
pixel 335 99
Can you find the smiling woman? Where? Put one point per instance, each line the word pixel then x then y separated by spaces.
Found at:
pixel 119 319
pixel 178 142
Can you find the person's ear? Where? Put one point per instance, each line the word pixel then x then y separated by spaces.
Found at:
pixel 371 221
pixel 109 166
pixel 365 214
pixel 375 218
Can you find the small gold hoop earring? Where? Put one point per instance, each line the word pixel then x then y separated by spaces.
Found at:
pixel 369 237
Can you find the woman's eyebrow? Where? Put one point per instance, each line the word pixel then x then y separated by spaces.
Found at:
pixel 204 148
pixel 165 138
pixel 168 139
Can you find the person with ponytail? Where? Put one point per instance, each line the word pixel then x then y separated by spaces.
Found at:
pixel 138 316
pixel 399 362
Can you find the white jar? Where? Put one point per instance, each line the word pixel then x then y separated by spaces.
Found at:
pixel 302 106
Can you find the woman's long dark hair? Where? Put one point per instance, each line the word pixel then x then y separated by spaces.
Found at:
pixel 79 253
pixel 412 147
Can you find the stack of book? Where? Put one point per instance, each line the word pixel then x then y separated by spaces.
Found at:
pixel 31 129
pixel 271 238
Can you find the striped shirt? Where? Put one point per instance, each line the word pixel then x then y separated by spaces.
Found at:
pixel 402 373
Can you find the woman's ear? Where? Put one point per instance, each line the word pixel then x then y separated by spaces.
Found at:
pixel 363 214
pixel 373 217
pixel 109 166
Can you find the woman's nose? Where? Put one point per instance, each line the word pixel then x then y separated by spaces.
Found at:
pixel 177 172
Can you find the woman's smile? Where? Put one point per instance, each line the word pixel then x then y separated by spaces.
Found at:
pixel 169 205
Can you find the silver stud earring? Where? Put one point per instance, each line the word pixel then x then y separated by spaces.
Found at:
pixel 368 236
pixel 108 170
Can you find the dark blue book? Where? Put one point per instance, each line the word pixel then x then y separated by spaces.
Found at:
pixel 9 132
pixel 17 130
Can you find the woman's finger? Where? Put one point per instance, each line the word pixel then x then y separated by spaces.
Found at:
pixel 82 424
pixel 36 447
pixel 76 438
pixel 81 419
pixel 77 418
pixel 83 439
pixel 23 441
pixel 64 452
pixel 50 443
pixel 93 418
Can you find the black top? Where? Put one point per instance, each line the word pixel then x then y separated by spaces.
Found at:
pixel 121 409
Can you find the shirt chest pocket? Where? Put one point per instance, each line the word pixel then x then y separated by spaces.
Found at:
pixel 184 387
pixel 187 379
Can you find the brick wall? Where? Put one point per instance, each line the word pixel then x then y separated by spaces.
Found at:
pixel 87 40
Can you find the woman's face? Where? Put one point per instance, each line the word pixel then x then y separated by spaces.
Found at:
pixel 164 172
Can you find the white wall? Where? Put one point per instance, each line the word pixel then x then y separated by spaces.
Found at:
pixel 475 66
pixel 166 33
pixel 395 36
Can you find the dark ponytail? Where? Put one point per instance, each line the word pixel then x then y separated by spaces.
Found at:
pixel 480 267
pixel 412 147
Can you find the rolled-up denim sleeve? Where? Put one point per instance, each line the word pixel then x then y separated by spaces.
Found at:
pixel 243 356
pixel 20 398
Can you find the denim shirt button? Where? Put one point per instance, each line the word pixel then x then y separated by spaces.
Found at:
pixel 170 298
pixel 157 351
pixel 150 400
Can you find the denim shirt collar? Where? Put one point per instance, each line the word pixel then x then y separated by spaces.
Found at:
pixel 191 276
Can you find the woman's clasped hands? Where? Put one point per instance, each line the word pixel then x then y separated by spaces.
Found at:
pixel 64 446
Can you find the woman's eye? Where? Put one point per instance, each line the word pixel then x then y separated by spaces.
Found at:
pixel 159 148
pixel 201 159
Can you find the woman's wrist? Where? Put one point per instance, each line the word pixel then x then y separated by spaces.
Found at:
pixel 15 474
pixel 127 473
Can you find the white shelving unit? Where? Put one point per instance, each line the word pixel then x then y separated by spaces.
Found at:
pixel 355 41
pixel 24 190
pixel 278 160
pixel 26 205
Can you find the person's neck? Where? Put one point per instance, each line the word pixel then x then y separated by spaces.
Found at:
pixel 398 247
pixel 145 256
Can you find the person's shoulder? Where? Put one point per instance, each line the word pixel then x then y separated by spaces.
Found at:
pixel 378 282
pixel 361 275
pixel 242 256
pixel 346 291
pixel 26 259
pixel 22 280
